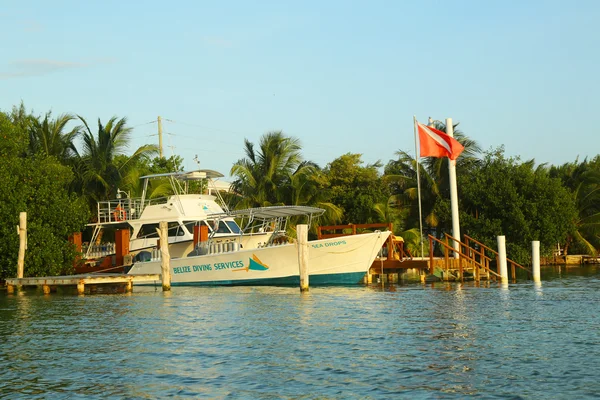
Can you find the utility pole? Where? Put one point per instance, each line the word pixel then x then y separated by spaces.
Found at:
pixel 160 146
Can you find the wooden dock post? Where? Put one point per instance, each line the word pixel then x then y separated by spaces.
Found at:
pixel 80 287
pixel 502 259
pixel 22 229
pixel 302 235
pixel 165 262
pixel 46 289
pixel 535 260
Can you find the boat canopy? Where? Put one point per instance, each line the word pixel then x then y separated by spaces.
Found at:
pixel 272 212
pixel 189 175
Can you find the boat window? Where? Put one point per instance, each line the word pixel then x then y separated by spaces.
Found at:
pixel 175 229
pixel 222 227
pixel 189 225
pixel 233 226
pixel 148 231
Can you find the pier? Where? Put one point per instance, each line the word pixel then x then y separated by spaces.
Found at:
pixel 469 260
pixel 49 283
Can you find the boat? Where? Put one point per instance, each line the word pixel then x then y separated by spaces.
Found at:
pixel 182 210
pixel 333 261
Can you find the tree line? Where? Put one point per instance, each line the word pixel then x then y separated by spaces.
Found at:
pixel 57 168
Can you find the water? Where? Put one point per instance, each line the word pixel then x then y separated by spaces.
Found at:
pixel 435 341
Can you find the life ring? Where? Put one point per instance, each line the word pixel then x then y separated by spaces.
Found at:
pixel 120 214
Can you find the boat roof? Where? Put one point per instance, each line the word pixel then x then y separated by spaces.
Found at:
pixel 188 175
pixel 272 212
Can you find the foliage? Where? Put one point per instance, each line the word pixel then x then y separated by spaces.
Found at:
pixel 512 198
pixel 47 136
pixel 275 174
pixel 262 172
pixel 583 181
pixel 99 174
pixel 356 189
pixel 37 185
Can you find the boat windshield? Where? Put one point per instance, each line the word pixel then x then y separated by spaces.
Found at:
pixel 234 227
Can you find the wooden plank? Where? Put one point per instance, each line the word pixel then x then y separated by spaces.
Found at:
pixel 82 279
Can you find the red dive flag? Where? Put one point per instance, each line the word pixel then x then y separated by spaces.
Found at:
pixel 436 143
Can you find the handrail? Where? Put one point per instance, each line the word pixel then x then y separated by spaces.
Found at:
pixel 472 259
pixel 495 252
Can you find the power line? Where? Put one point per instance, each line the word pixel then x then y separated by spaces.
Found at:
pixel 145 123
pixel 206 127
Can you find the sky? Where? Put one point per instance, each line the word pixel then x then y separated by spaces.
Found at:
pixel 341 76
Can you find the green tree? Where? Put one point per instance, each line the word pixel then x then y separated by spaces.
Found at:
pixel 49 136
pixel 37 185
pixel 263 171
pixel 276 174
pixel 512 198
pixel 583 181
pixel 99 173
pixel 356 188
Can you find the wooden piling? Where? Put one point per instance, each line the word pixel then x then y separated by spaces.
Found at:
pixel 46 289
pixel 22 229
pixel 302 235
pixel 165 262
pixel 80 287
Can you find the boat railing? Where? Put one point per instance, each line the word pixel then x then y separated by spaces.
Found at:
pixel 97 250
pixel 124 209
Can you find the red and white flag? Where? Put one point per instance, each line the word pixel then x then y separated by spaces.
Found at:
pixel 435 143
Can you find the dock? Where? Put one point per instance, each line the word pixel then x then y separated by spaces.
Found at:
pixel 48 283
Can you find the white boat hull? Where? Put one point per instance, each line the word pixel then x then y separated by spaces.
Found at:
pixel 341 260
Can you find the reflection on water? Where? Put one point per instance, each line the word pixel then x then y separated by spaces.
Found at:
pixel 442 340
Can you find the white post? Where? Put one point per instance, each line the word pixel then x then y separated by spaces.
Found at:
pixel 22 229
pixel 165 267
pixel 502 259
pixel 535 260
pixel 302 235
pixel 453 193
pixel 418 183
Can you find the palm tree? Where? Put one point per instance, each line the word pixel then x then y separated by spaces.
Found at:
pixel 259 176
pixel 583 180
pixel 275 174
pixel 48 136
pixel 99 174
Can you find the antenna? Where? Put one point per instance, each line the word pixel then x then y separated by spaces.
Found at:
pixel 196 160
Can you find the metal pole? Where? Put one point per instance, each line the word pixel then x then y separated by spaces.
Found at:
pixel 453 193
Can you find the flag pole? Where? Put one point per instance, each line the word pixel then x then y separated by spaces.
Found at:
pixel 418 184
pixel 453 193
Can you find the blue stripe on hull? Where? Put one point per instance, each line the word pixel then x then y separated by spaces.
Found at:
pixel 351 278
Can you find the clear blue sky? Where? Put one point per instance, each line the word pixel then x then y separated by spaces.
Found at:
pixel 342 76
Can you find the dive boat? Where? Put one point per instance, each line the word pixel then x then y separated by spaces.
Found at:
pixel 182 210
pixel 339 260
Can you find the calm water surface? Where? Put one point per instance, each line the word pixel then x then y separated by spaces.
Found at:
pixel 413 341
